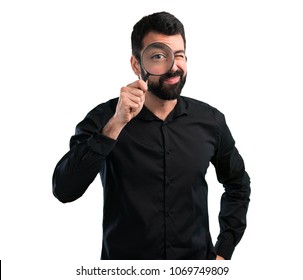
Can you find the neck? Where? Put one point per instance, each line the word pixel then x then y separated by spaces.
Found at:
pixel 159 107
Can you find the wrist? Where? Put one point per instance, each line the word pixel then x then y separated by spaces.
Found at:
pixel 113 128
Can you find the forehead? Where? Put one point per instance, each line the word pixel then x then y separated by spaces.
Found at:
pixel 175 42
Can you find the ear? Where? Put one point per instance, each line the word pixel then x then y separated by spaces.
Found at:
pixel 135 65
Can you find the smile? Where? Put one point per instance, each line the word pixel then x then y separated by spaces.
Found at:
pixel 172 80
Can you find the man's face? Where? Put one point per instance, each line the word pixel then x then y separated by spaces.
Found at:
pixel 169 85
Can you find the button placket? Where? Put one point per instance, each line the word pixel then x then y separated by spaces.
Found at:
pixel 168 183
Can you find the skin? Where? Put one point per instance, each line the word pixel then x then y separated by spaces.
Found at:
pixel 136 94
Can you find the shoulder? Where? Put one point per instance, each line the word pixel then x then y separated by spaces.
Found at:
pixel 98 116
pixel 212 118
pixel 207 115
pixel 104 108
pixel 197 107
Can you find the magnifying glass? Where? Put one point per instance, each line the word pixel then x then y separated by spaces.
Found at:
pixel 157 59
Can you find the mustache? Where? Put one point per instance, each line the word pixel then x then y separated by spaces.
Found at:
pixel 172 74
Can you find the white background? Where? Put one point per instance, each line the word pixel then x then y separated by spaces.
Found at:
pixel 59 59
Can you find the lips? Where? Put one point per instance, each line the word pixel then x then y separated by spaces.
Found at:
pixel 172 80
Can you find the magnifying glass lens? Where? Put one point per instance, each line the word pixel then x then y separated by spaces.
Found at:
pixel 157 59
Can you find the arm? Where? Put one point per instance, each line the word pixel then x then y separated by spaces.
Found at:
pixel 95 138
pixel 231 173
pixel 80 165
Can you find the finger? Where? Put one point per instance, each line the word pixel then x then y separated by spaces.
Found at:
pixel 129 100
pixel 140 84
pixel 136 99
pixel 133 107
pixel 130 96
pixel 132 91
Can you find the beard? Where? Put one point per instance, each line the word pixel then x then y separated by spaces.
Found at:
pixel 167 91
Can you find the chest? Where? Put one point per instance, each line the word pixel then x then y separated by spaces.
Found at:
pixel 182 145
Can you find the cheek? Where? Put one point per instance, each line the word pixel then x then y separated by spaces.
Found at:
pixel 183 67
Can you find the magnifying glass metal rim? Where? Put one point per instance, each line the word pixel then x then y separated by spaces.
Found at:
pixel 156 44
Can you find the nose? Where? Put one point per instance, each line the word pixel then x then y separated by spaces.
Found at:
pixel 174 68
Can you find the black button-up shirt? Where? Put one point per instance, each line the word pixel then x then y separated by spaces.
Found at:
pixel 155 193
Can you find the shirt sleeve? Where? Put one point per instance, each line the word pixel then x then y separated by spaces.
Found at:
pixel 78 168
pixel 230 170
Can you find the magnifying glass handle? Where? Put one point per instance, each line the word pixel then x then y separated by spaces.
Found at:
pixel 145 77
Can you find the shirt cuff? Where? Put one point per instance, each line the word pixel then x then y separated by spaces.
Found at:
pixel 224 249
pixel 101 144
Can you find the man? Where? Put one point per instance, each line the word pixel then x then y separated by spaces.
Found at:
pixel 152 148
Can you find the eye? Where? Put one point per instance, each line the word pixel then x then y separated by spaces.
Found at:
pixel 180 57
pixel 158 57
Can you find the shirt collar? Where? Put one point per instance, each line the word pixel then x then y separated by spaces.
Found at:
pixel 179 110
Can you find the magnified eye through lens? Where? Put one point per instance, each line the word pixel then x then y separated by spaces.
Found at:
pixel 157 59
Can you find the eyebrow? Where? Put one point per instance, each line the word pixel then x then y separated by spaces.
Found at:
pixel 180 51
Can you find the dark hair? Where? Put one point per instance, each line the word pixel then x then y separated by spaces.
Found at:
pixel 162 22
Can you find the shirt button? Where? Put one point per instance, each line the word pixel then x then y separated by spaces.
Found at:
pixel 170 182
pixel 168 213
pixel 167 181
